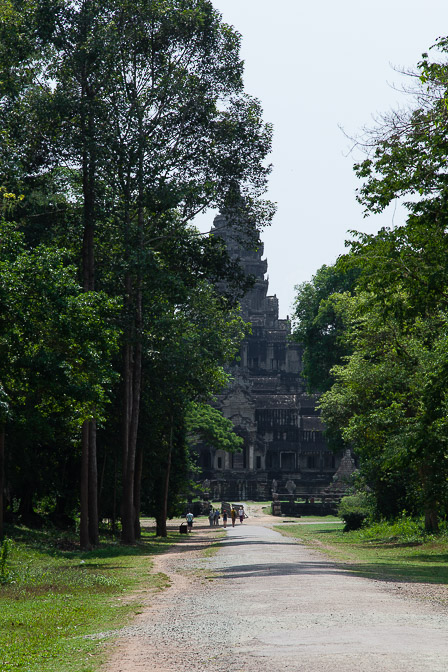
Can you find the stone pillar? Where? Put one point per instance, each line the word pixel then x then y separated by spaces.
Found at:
pixel 250 461
pixel 244 355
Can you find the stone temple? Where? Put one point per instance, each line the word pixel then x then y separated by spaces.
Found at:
pixel 284 446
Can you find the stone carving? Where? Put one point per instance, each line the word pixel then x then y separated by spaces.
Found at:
pixel 290 486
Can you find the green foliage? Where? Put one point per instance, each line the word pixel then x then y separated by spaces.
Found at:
pixel 4 552
pixel 389 396
pixel 355 510
pixel 409 148
pixel 404 529
pixel 120 122
pixel 319 323
pixel 208 425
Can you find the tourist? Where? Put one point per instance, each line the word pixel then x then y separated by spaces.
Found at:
pixel 217 516
pixel 241 514
pixel 224 518
pixel 211 517
pixel 233 516
pixel 189 518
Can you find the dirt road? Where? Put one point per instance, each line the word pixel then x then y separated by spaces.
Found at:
pixel 264 603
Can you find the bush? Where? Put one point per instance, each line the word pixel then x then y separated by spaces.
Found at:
pixel 4 571
pixel 403 529
pixel 353 520
pixel 355 510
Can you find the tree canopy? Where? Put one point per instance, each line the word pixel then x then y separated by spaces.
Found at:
pixel 381 352
pixel 120 122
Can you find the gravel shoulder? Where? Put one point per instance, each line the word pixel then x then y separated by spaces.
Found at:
pixel 264 602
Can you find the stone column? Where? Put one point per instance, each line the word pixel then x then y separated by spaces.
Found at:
pixel 250 460
pixel 227 460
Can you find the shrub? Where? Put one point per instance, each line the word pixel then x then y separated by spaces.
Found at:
pixel 403 529
pixel 355 510
pixel 4 571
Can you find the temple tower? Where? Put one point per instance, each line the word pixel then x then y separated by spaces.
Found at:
pixel 284 446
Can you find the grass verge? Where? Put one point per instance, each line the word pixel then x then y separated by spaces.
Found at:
pixel 59 604
pixel 396 551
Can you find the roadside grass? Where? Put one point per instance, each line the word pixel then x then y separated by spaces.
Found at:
pixel 399 551
pixel 212 550
pixel 59 604
pixel 306 520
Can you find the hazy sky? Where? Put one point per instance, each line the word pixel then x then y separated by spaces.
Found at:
pixel 316 66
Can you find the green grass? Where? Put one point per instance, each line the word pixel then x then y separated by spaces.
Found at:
pixel 399 551
pixel 309 519
pixel 212 550
pixel 59 603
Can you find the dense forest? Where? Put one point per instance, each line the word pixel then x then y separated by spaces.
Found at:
pixel 121 121
pixel 374 325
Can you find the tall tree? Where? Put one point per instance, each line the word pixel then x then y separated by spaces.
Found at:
pixel 56 345
pixel 407 149
pixel 389 397
pixel 186 366
pixel 135 118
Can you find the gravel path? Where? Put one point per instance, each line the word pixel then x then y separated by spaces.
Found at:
pixel 264 603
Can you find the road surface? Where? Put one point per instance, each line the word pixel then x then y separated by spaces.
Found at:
pixel 264 603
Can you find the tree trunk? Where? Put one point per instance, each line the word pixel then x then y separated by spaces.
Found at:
pixel 89 534
pixel 430 491
pixel 137 489
pixel 133 371
pixel 162 532
pixel 93 487
pixel 160 525
pixel 127 505
pixel 132 381
pixel 114 503
pixel 128 509
pixel 2 474
pixel 84 537
pixel 431 520
pixel 126 512
pixel 126 409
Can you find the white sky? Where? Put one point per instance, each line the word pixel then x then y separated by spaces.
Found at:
pixel 315 66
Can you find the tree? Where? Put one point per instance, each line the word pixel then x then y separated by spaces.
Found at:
pixel 206 424
pixel 386 397
pixel 159 123
pixel 56 345
pixel 185 367
pixel 389 396
pixel 407 149
pixel 133 119
pixel 319 325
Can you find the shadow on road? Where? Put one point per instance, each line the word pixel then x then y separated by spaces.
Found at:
pixel 278 569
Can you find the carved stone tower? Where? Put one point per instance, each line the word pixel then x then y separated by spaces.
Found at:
pixel 284 447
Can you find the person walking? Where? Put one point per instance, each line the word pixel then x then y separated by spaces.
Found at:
pixel 241 514
pixel 211 517
pixel 217 516
pixel 224 519
pixel 189 518
pixel 233 516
